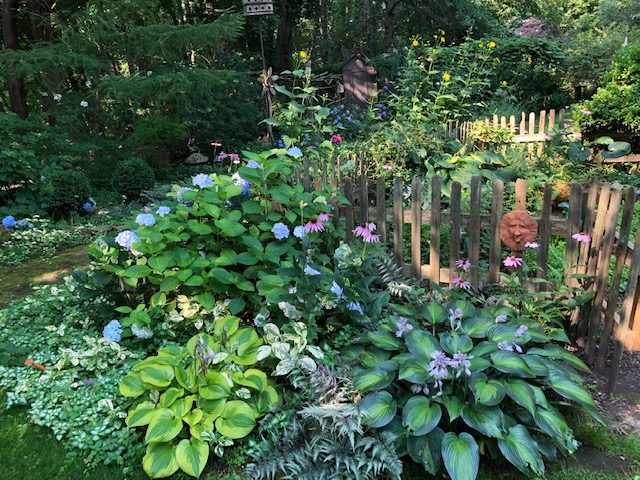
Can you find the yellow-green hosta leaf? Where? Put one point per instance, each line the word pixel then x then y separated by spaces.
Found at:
pixel 183 406
pixel 420 415
pixel 212 409
pixel 186 378
pixel 378 409
pixel 160 460
pixel 192 456
pixel 251 378
pixel 170 396
pixel 163 427
pixel 193 417
pixel 267 399
pixel 141 415
pixel 132 386
pixel 237 420
pixel 199 428
pixel 159 376
pixel 217 386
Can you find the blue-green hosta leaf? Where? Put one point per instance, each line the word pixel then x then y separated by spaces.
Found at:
pixel 468 310
pixel 520 392
pixel 536 364
pixel 163 427
pixel 398 434
pixel 378 409
pixel 160 460
pixel 374 356
pixel 374 378
pixel 141 415
pixel 555 352
pixel 511 362
pixel 558 334
pixel 452 342
pixel 237 420
pixel 452 404
pixel 573 391
pixel 421 344
pixel 192 456
pixel 477 327
pixel 427 450
pixel 461 456
pixel 414 371
pixel 420 415
pixel 539 396
pixel 489 392
pixel 552 423
pixel 132 385
pixel 522 451
pixel 499 332
pixel 385 340
pixel 435 313
pixel 486 420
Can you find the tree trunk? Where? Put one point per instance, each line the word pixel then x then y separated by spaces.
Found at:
pixel 324 32
pixel 15 84
pixel 389 23
pixel 283 53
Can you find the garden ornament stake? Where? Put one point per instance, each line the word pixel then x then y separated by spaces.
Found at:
pixel 518 228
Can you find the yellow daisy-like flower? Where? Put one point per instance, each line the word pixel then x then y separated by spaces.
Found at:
pixel 504 82
pixel 303 54
pixel 492 44
pixel 497 60
pixel 529 60
pixel 442 32
pixel 442 40
pixel 415 43
pixel 481 45
pixel 446 77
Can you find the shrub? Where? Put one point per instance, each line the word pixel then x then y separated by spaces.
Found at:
pixel 65 191
pixel 131 177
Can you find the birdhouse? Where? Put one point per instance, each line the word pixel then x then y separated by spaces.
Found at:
pixel 359 80
pixel 257 7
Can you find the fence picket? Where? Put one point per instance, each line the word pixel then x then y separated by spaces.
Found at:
pixel 474 231
pixel 495 256
pixel 416 225
pixel 381 209
pixel 398 221
pixel 434 239
pixel 456 224
pixel 364 198
pixel 544 235
pixel 348 209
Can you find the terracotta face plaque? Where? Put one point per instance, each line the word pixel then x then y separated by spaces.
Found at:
pixel 518 228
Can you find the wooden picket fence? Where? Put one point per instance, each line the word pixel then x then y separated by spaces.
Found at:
pixel 596 327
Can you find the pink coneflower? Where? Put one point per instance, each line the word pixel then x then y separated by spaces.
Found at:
pixel 336 139
pixel 314 225
pixel 458 282
pixel 364 228
pixel 386 166
pixel 216 144
pixel 531 245
pixel 463 264
pixel 581 237
pixel 512 261
pixel 584 111
pixel 235 158
pixel 369 237
pixel 323 217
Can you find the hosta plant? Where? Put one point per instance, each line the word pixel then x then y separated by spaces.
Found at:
pixel 454 382
pixel 198 397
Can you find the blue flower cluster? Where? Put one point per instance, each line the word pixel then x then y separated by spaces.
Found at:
pixel 126 238
pixel 299 232
pixel 280 231
pixel 253 164
pixel 146 219
pixel 294 152
pixel 202 180
pixel 9 221
pixel 141 332
pixel 356 307
pixel 113 331
pixel 163 210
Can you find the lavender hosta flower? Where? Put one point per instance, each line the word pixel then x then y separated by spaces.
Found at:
pixel 463 264
pixel 461 361
pixel 505 346
pixel 402 327
pixel 501 318
pixel 88 382
pixel 416 388
pixel 311 271
pixel 253 164
pixel 581 237
pixel 145 219
pixel 202 180
pixel 454 318
pixel 141 332
pixel 9 221
pixel 356 307
pixel 113 331
pixel 280 231
pixel 439 366
pixel 522 329
pixel 126 238
pixel 294 152
pixel 298 232
pixel 163 210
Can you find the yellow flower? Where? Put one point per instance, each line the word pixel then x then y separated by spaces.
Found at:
pixel 415 43
pixel 504 82
pixel 497 60
pixel 446 77
pixel 442 40
pixel 529 60
pixel 481 45
pixel 442 32
pixel 492 44
pixel 303 54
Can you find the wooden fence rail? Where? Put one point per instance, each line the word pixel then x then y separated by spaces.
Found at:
pixel 593 211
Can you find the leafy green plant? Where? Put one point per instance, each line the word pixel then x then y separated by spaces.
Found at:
pixel 64 192
pixel 208 391
pixel 131 177
pixel 454 382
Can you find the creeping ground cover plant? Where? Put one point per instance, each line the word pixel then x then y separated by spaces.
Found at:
pixel 454 381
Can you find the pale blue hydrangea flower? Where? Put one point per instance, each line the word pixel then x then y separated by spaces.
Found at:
pixel 126 239
pixel 141 332
pixel 253 164
pixel 337 289
pixel 145 219
pixel 356 307
pixel 202 180
pixel 113 331
pixel 310 271
pixel 280 231
pixel 294 152
pixel 163 210
pixel 245 184
pixel 9 221
pixel 298 232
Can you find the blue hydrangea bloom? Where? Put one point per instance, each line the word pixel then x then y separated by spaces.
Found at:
pixel 126 238
pixel 141 332
pixel 146 219
pixel 310 271
pixel 280 143
pixel 356 307
pixel 294 152
pixel 163 210
pixel 9 221
pixel 245 184
pixel 337 289
pixel 298 232
pixel 87 207
pixel 280 231
pixel 202 180
pixel 113 331
pixel 253 164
